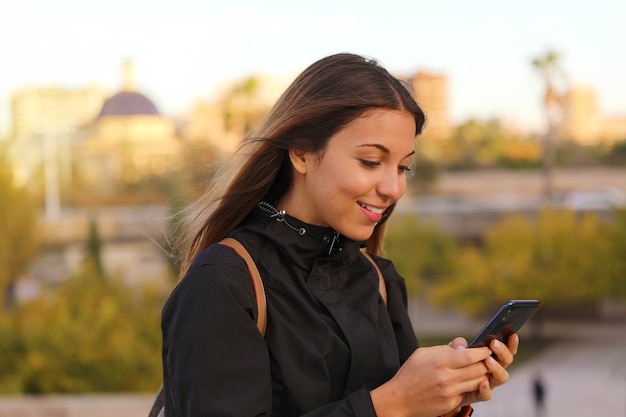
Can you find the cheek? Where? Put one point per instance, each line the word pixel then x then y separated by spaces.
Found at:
pixel 353 184
pixel 337 177
pixel 403 181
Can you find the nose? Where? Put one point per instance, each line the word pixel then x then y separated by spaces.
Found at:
pixel 392 185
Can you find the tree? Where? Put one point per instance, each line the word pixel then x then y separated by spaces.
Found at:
pixel 244 107
pixel 422 253
pixel 488 143
pixel 85 335
pixel 616 260
pixel 617 154
pixel 18 240
pixel 550 70
pixel 479 143
pixel 562 258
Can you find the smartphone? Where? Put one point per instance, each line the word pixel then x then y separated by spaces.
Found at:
pixel 508 320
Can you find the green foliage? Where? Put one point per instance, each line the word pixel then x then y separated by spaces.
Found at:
pixel 145 190
pixel 248 87
pixel 420 252
pixel 485 144
pixel 243 106
pixel 616 154
pixel 478 144
pixel 616 271
pixel 87 335
pixel 563 258
pixel 572 154
pixel 18 223
pixel 521 153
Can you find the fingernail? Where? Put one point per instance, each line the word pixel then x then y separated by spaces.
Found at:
pixel 496 345
pixel 491 361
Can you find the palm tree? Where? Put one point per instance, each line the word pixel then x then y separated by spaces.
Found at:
pixel 550 70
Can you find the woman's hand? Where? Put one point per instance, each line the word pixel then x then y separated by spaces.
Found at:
pixel 433 381
pixel 436 380
pixel 504 356
pixel 498 374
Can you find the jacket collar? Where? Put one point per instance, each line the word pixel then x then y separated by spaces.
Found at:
pixel 304 243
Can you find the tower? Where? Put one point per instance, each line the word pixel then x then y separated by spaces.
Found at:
pixel 431 93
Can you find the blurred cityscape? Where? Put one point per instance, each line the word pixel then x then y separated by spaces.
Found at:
pixel 112 155
pixel 103 137
pixel 108 171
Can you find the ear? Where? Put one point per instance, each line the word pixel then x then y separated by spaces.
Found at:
pixel 299 159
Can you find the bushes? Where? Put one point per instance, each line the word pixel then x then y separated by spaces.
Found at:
pixel 18 237
pixel 88 335
pixel 565 259
pixel 420 252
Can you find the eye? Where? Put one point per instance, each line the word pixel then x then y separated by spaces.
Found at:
pixel 407 169
pixel 368 163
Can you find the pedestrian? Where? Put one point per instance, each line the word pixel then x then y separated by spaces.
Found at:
pixel 539 395
pixel 308 196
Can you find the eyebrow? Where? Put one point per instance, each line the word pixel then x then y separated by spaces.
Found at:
pixel 384 148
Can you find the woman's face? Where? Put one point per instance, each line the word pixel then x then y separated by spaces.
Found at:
pixel 360 173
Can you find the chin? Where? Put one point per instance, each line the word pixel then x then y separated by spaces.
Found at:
pixel 360 234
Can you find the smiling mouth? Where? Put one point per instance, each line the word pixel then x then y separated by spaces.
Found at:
pixel 373 209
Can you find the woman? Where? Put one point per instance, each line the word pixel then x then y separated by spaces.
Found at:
pixel 315 184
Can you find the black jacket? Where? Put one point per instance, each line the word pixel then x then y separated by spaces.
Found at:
pixel 329 339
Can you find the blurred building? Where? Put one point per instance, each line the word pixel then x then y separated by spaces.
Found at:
pixel 43 121
pixel 583 122
pixel 128 140
pixel 235 113
pixel 206 123
pixel 431 92
pixel 38 111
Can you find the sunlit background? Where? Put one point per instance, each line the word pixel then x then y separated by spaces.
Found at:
pixel 112 117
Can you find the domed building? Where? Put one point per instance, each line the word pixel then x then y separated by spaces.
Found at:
pixel 128 103
pixel 128 140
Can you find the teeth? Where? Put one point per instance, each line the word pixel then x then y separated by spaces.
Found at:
pixel 372 209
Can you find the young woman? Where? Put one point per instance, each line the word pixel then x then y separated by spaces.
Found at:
pixel 313 187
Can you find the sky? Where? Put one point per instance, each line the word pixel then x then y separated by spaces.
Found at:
pixel 184 50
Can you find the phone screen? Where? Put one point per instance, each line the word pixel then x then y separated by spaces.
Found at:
pixel 508 320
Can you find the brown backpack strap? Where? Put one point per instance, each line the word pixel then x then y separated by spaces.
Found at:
pixel 382 288
pixel 259 290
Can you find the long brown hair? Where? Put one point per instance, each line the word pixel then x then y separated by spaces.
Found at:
pixel 323 99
